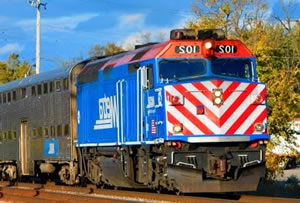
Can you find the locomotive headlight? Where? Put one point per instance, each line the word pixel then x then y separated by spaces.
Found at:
pixel 217 96
pixel 208 45
pixel 177 128
pixel 259 127
pixel 218 93
pixel 217 100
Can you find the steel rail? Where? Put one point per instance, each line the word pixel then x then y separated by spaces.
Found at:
pixel 27 192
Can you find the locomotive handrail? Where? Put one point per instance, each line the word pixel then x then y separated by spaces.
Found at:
pixel 121 108
pixel 140 80
pixel 120 127
pixel 117 94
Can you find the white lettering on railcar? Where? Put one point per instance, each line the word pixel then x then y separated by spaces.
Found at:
pixel 51 148
pixel 108 113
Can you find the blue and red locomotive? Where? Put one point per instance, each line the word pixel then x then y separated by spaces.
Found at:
pixel 186 115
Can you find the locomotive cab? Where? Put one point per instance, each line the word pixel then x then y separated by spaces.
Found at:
pixel 215 112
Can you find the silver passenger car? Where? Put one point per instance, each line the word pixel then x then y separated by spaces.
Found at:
pixel 38 126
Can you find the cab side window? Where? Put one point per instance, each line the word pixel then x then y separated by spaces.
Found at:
pixel 149 69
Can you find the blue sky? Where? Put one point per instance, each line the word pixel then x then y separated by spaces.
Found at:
pixel 71 27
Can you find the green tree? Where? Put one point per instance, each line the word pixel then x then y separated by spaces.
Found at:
pixel 13 69
pixel 107 50
pixel 276 47
pixel 233 16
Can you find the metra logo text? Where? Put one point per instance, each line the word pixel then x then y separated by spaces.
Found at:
pixel 108 113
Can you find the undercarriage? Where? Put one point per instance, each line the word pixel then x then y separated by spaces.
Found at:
pixel 176 166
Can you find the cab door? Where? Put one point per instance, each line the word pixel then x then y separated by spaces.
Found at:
pixel 131 93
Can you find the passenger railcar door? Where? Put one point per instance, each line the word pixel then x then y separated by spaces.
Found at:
pixel 24 149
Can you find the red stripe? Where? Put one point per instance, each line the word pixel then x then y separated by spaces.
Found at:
pixel 237 103
pixel 217 83
pixel 259 119
pixel 206 92
pixel 194 120
pixel 244 116
pixel 230 90
pixel 197 102
pixel 182 90
pixel 173 120
pixel 191 117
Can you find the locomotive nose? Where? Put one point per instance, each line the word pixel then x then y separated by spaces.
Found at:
pixel 215 107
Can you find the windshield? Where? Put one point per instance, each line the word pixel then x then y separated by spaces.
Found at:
pixel 240 68
pixel 181 69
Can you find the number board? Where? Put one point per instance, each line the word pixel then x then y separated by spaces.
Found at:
pixel 187 49
pixel 226 49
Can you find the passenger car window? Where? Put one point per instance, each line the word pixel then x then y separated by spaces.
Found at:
pixel 66 133
pixel 46 132
pixel 52 131
pixel 9 137
pixel 4 98
pixel 8 97
pixel 23 93
pixel 34 132
pixel 66 84
pixel 39 88
pixel 51 86
pixel 14 135
pixel 59 131
pixel 33 91
pixel 58 86
pixel 45 88
pixel 14 95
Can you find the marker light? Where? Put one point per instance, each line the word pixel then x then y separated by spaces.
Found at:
pixel 259 99
pixel 259 127
pixel 208 45
pixel 175 100
pixel 177 128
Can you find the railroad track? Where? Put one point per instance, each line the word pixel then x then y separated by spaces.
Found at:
pixel 27 192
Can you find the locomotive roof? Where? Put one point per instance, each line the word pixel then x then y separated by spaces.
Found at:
pixel 169 49
pixel 90 71
pixel 33 79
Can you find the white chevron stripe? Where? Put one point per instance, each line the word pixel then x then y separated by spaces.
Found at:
pixel 193 109
pixel 185 121
pixel 209 85
pixel 242 129
pixel 202 98
pixel 239 111
pixel 225 85
pixel 232 98
pixel 214 109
